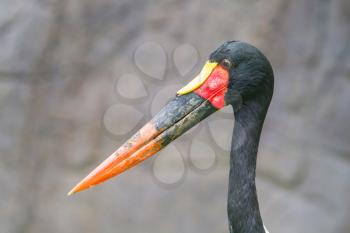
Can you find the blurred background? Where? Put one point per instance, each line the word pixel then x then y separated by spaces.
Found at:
pixel 77 78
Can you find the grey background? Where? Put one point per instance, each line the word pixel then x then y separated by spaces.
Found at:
pixel 59 62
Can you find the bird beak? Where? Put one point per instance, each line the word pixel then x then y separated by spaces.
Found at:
pixel 180 114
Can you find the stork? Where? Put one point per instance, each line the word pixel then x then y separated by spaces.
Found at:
pixel 236 74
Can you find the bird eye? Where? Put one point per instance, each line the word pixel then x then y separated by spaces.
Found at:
pixel 226 63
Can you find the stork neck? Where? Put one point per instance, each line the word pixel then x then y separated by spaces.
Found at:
pixel 243 208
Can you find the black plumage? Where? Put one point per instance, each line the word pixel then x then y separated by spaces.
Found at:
pixel 250 93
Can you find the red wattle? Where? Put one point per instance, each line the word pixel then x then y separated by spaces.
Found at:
pixel 215 87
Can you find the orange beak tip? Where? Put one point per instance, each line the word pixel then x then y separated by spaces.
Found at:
pixel 73 191
pixel 70 192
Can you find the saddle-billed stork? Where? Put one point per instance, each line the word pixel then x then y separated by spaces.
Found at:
pixel 236 74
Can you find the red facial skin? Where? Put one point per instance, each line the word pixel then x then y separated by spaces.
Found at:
pixel 215 87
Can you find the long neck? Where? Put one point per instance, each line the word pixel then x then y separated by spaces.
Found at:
pixel 243 207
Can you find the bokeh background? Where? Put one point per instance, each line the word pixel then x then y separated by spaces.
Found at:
pixel 61 63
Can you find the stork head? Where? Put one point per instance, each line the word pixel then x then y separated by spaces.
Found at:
pixel 234 74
